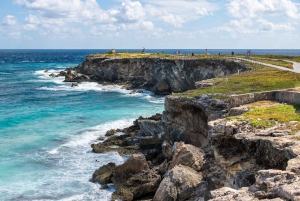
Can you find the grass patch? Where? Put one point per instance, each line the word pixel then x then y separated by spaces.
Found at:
pixel 280 57
pixel 262 79
pixel 270 115
pixel 120 55
pixel 277 62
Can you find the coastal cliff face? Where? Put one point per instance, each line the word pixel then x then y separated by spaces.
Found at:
pixel 161 76
pixel 193 153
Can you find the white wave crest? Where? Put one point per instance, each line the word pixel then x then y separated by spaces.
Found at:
pixel 89 135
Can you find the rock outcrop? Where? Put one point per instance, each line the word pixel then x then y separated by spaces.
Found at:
pixel 193 153
pixel 134 179
pixel 178 184
pixel 161 76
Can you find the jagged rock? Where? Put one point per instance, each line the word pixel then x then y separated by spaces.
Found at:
pixel 229 194
pixel 294 165
pixel 134 179
pixel 52 75
pixel 46 71
pixel 167 150
pixel 235 111
pixel 74 85
pixel 188 155
pixel 103 174
pixel 82 78
pixel 161 76
pixel 204 83
pixel 178 184
pixel 135 91
pixel 110 132
pixel 289 191
pixel 271 179
pixel 61 73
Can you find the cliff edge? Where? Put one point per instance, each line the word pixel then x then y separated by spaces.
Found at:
pixel 161 76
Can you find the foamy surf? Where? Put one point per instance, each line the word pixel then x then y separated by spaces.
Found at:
pixel 91 135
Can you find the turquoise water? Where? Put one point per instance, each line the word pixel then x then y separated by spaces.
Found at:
pixel 46 126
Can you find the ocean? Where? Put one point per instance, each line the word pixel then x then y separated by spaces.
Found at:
pixel 47 127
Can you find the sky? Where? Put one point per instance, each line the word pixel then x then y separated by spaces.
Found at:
pixel 153 24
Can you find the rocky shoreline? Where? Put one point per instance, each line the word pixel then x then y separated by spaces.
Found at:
pixel 192 151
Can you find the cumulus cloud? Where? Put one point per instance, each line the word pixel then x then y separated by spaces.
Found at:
pixel 254 16
pixel 175 20
pixel 9 20
pixel 269 26
pixel 9 26
pixel 256 8
pixel 178 12
pixel 130 12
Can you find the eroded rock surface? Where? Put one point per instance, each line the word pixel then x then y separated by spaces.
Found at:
pixel 193 153
pixel 178 184
pixel 161 76
pixel 134 178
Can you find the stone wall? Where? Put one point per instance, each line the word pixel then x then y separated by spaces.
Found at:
pixel 286 96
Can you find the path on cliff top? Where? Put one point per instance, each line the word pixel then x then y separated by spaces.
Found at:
pixel 296 65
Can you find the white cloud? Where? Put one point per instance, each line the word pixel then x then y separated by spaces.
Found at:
pixel 257 16
pixel 9 20
pixel 178 12
pixel 175 20
pixel 130 12
pixel 9 27
pixel 201 11
pixel 256 8
pixel 269 26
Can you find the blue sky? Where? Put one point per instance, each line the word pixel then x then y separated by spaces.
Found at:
pixel 104 24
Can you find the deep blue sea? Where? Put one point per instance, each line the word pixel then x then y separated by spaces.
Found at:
pixel 46 126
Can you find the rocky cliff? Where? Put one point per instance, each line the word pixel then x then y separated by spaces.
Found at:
pixel 161 76
pixel 192 152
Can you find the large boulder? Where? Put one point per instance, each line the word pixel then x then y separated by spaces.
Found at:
pixel 103 174
pixel 188 155
pixel 178 184
pixel 134 179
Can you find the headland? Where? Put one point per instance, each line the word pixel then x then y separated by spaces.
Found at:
pixel 230 130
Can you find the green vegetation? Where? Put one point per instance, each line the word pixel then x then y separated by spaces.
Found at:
pixel 268 116
pixel 277 62
pixel 261 79
pixel 120 55
pixel 280 57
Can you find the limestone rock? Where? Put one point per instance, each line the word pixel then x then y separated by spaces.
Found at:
pixel 134 179
pixel 61 73
pixel 178 184
pixel 110 132
pixel 188 155
pixel 270 179
pixel 161 76
pixel 229 194
pixel 74 85
pixel 167 150
pixel 103 174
